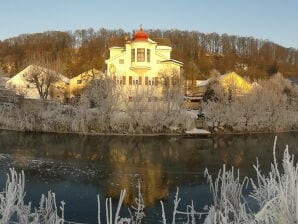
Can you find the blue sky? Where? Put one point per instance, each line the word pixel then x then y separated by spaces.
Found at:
pixel 276 20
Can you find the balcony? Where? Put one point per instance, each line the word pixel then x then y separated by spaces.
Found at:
pixel 140 65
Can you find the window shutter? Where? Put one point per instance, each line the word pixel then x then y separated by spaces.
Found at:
pixel 148 55
pixel 146 80
pixel 140 80
pixel 114 79
pixel 133 55
pixel 156 81
pixel 130 80
pixel 124 80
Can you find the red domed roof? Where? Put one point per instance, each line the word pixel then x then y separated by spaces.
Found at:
pixel 140 35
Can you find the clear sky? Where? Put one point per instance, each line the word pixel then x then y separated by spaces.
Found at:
pixel 276 20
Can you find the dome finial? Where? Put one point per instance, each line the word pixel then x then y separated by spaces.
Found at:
pixel 140 35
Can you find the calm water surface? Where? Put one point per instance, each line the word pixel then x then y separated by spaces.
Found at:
pixel 77 168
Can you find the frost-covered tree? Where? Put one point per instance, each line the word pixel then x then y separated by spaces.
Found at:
pixel 172 85
pixel 269 106
pixel 103 96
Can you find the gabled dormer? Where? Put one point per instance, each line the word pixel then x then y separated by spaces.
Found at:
pixel 142 51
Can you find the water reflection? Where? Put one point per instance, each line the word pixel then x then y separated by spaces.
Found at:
pixel 111 163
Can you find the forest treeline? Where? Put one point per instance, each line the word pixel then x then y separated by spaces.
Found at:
pixel 201 53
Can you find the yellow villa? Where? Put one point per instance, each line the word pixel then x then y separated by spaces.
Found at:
pixel 141 62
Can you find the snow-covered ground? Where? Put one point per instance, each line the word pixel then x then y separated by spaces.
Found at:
pixel 197 131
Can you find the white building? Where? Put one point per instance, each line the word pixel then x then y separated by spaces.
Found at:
pixel 22 86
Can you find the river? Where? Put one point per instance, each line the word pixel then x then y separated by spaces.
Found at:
pixel 77 168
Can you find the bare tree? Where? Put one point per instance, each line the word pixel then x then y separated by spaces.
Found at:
pixel 172 85
pixel 42 74
pixel 103 95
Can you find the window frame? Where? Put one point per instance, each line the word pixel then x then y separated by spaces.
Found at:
pixel 141 54
pixel 148 55
pixel 133 55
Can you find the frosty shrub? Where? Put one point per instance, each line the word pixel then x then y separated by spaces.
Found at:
pixel 229 205
pixel 275 195
pixel 104 108
pixel 148 113
pixel 39 116
pixel 271 106
pixel 102 95
pixel 14 210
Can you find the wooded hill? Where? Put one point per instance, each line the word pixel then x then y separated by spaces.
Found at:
pixel 81 50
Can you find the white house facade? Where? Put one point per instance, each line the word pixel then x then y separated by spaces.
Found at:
pixel 22 86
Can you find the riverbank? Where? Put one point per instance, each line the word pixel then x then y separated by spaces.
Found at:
pixel 182 133
pixel 253 132
pixel 39 117
pixel 94 134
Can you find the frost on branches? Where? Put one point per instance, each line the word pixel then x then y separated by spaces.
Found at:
pixel 14 210
pixel 104 107
pixel 271 105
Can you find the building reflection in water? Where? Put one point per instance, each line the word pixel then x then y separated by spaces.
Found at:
pixel 115 163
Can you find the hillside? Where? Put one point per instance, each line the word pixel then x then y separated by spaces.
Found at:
pixel 81 50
